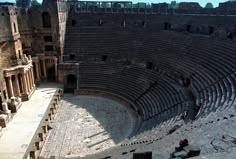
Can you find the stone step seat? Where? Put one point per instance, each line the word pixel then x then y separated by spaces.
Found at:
pixel 136 72
pixel 103 68
pixel 155 120
pixel 226 67
pixel 118 86
pixel 155 98
pixel 119 91
pixel 113 80
pixel 154 132
pixel 232 80
pixel 212 62
pixel 226 60
pixel 222 97
pixel 121 86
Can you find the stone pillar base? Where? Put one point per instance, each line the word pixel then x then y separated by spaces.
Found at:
pixel 27 96
pixel 15 104
pixel 5 109
pixel 3 120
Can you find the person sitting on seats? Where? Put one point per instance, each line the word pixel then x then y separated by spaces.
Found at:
pixel 182 144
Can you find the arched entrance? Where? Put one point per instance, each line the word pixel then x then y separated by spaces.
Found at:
pixel 70 83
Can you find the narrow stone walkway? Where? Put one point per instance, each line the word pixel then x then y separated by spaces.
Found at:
pixel 20 131
pixel 86 125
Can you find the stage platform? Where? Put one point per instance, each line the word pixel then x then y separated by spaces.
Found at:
pixel 20 131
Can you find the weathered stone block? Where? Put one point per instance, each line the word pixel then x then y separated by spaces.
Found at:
pixel 3 120
pixel 192 151
pixel 181 154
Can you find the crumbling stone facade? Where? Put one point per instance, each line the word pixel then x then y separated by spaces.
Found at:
pixel 31 45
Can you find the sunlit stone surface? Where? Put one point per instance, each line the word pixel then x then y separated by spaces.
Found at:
pixel 86 125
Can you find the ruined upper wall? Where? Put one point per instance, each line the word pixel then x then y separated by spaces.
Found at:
pixel 62 18
pixel 128 7
pixel 219 26
pixel 8 23
pixel 48 38
pixel 24 29
pixel 10 44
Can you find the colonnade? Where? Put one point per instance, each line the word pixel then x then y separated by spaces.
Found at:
pixel 21 83
pixel 41 67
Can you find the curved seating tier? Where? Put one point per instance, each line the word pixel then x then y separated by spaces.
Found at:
pixel 209 62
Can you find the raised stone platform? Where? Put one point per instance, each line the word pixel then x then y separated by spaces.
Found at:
pixel 17 137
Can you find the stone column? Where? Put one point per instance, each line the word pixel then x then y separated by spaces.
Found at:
pixel 55 65
pixel 25 87
pixel 16 86
pixel 32 76
pixel 28 81
pixel 44 68
pixel 37 71
pixel 10 87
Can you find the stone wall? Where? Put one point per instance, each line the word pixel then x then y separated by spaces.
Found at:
pixel 65 69
pixel 197 24
pixel 5 30
pixel 10 44
pixel 11 49
pixel 24 29
pixel 48 39
pixel 62 18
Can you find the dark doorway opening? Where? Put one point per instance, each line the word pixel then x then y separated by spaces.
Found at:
pixel 46 20
pixel 1 104
pixel 73 22
pixel 41 66
pixel 211 30
pixel 72 57
pixel 70 84
pixel 167 26
pixel 20 83
pixel 104 58
pixel 51 74
pixel 34 69
pixel 149 65
pixel 230 35
pixel 188 28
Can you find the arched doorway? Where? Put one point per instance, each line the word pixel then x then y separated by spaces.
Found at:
pixel 51 74
pixel 70 83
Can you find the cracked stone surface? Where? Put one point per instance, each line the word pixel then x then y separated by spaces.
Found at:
pixel 86 125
